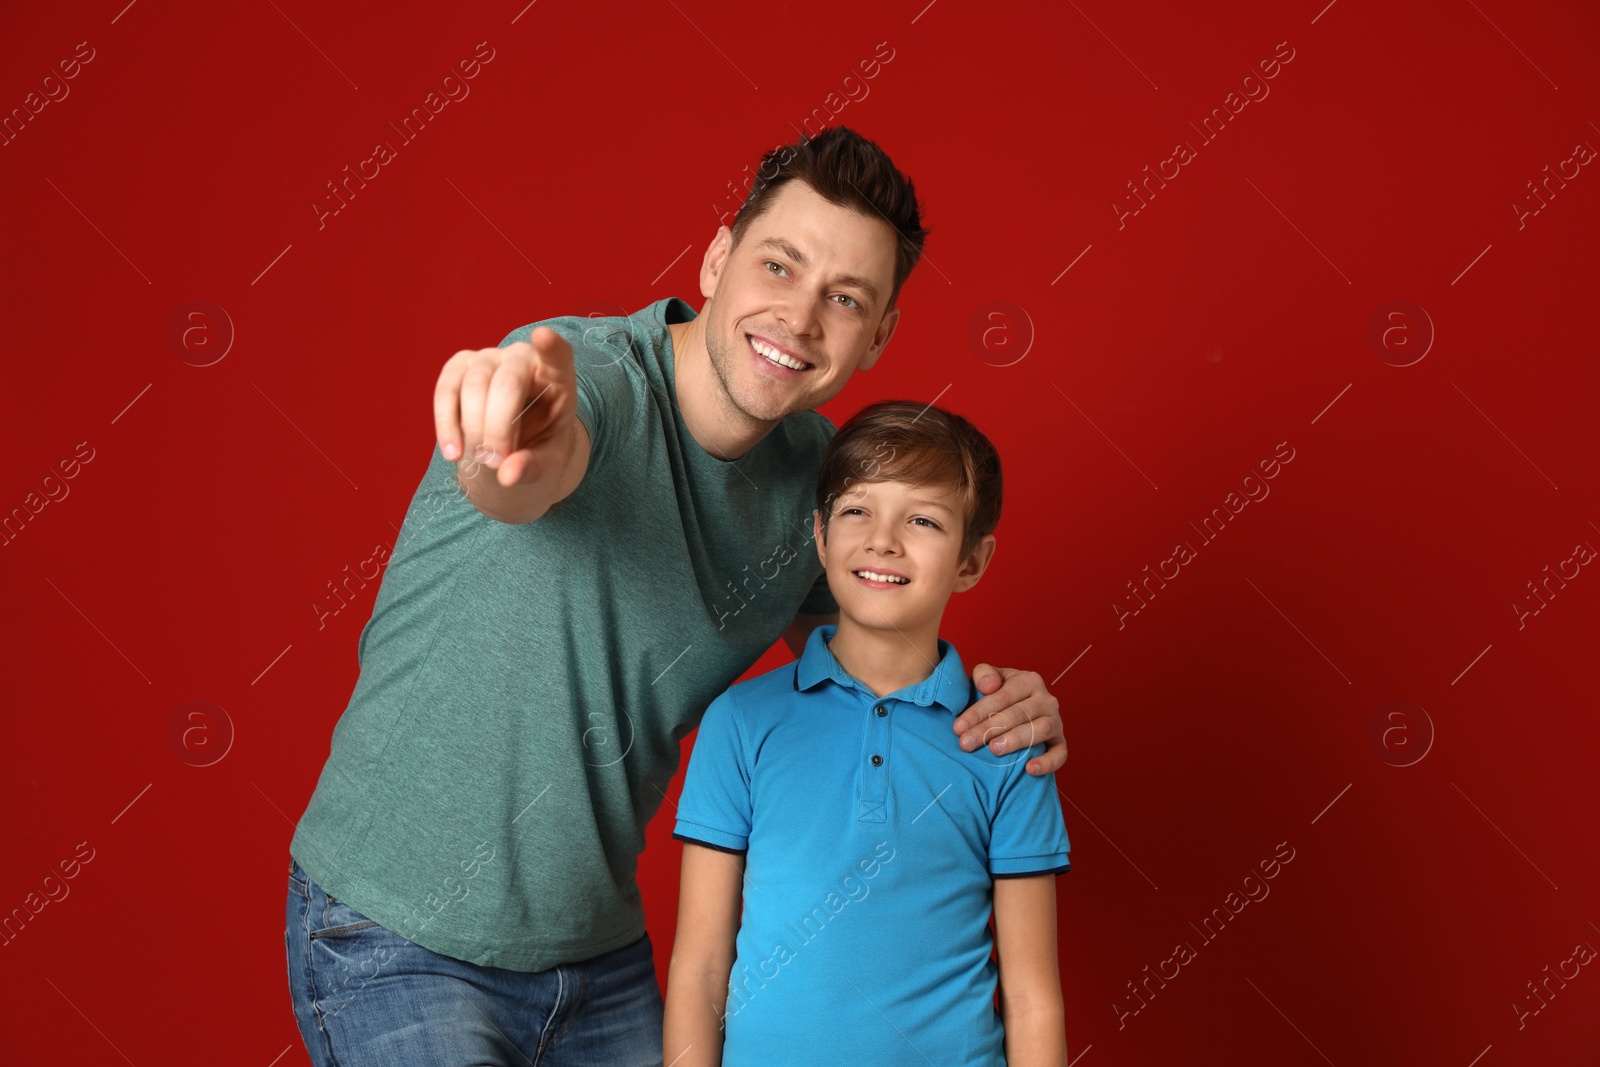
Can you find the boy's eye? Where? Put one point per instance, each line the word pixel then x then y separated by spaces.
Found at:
pixel 929 521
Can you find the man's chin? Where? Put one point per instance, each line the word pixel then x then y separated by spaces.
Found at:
pixel 768 405
pixel 768 415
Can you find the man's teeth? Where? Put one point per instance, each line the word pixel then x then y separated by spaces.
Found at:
pixel 775 356
pixel 874 576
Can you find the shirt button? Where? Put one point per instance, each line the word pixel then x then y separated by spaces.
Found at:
pixel 882 711
pixel 877 761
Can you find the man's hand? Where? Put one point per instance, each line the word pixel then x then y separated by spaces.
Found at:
pixel 501 404
pixel 513 410
pixel 1015 712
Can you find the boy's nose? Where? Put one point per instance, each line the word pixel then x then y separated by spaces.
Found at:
pixel 884 539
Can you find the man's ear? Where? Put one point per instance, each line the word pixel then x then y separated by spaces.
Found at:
pixel 817 536
pixel 973 566
pixel 716 258
pixel 879 339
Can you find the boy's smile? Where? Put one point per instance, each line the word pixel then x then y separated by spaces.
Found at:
pixel 892 553
pixel 881 578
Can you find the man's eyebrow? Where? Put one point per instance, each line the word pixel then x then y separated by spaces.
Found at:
pixel 778 244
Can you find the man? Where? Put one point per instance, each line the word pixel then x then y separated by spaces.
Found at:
pixel 629 535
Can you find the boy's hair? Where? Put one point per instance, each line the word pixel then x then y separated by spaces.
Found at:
pixel 903 441
pixel 843 168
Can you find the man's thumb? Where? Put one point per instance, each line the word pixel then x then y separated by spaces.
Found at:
pixel 986 678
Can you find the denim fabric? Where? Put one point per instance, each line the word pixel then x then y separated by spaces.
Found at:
pixel 364 997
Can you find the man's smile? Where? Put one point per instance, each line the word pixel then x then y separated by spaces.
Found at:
pixel 776 356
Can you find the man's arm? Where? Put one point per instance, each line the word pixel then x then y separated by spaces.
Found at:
pixel 1017 711
pixel 511 413
pixel 702 956
pixel 800 630
pixel 1030 979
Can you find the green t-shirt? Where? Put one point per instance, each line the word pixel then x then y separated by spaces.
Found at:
pixel 524 688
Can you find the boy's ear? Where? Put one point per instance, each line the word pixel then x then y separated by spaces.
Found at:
pixel 880 339
pixel 716 258
pixel 973 566
pixel 817 535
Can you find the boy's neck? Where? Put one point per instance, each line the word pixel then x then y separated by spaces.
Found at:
pixel 885 660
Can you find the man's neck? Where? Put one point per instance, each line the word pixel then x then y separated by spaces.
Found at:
pixel 714 422
pixel 885 660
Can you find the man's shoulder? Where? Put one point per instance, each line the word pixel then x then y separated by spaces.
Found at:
pixel 617 361
pixel 601 341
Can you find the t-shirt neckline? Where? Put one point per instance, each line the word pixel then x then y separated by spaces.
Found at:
pixel 668 311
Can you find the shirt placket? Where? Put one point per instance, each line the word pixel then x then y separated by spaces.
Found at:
pixel 872 795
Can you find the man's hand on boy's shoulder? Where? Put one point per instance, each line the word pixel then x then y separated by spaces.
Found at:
pixel 1016 711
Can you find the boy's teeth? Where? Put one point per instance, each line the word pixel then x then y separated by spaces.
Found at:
pixel 876 577
pixel 775 356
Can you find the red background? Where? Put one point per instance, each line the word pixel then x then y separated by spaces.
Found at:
pixel 589 164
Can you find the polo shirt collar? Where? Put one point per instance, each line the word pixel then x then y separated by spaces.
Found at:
pixel 947 686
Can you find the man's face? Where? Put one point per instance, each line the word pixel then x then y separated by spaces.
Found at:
pixel 893 553
pixel 799 304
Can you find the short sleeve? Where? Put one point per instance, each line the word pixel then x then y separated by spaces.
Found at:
pixel 820 600
pixel 1028 835
pixel 714 809
pixel 605 392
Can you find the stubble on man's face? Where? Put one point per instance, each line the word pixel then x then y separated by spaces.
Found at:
pixel 810 279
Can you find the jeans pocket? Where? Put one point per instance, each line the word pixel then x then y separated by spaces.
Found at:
pixel 297 880
pixel 339 919
pixel 327 916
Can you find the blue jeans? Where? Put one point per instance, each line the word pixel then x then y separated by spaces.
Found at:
pixel 366 997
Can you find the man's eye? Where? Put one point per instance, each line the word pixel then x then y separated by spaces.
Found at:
pixel 777 266
pixel 848 300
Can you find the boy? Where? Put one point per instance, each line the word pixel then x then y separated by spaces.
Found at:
pixel 829 799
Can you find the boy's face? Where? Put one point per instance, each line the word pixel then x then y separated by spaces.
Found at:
pixel 908 534
pixel 809 278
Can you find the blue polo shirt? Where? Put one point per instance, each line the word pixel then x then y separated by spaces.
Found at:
pixel 871 843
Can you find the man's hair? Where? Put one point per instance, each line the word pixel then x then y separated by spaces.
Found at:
pixel 843 168
pixel 903 441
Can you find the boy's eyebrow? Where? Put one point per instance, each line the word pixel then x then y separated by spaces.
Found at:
pixel 925 502
pixel 778 244
pixel 929 502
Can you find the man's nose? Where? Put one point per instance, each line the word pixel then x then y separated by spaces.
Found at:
pixel 799 314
